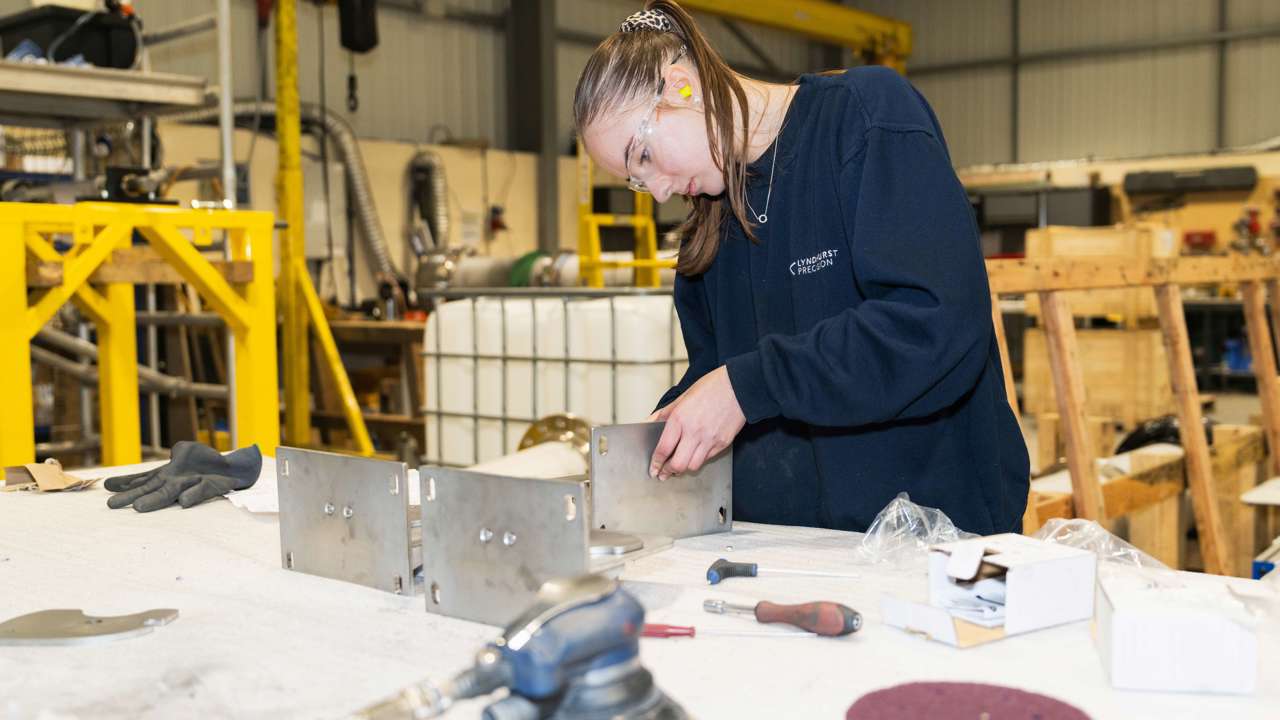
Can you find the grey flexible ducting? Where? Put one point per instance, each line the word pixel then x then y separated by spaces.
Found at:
pixel 439 239
pixel 344 138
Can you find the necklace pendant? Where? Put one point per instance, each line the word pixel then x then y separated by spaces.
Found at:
pixel 762 218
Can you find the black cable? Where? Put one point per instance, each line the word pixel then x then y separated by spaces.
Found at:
pixel 75 27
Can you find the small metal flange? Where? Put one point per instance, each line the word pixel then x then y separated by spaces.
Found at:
pixel 73 627
pixel 563 427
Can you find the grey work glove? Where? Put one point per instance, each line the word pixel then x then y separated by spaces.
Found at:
pixel 194 473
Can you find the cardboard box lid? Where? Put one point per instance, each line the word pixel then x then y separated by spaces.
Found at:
pixel 1000 552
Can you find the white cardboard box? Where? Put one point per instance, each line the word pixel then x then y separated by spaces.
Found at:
pixel 1045 584
pixel 1177 631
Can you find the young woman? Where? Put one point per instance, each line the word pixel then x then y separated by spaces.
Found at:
pixel 831 286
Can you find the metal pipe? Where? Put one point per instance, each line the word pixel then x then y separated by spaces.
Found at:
pixel 78 169
pixel 226 128
pixel 147 377
pixel 186 28
pixel 1088 51
pixel 68 446
pixel 163 318
pixel 149 380
pixel 153 362
pixel 348 147
pixel 86 406
pixel 226 90
pixel 295 354
pixel 437 237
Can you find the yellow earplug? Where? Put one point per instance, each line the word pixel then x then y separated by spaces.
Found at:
pixel 686 91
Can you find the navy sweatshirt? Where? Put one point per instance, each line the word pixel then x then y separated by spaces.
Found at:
pixel 857 332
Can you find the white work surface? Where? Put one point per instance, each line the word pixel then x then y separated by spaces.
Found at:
pixel 256 641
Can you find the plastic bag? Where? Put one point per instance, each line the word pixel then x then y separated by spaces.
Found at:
pixel 903 531
pixel 1089 535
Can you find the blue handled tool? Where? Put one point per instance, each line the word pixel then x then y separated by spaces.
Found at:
pixel 723 569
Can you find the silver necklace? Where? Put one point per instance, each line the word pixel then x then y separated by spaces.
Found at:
pixel 762 218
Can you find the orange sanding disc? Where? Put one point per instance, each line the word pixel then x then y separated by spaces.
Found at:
pixel 932 700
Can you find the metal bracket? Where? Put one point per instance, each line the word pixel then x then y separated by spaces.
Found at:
pixel 73 627
pixel 624 497
pixel 345 518
pixel 491 541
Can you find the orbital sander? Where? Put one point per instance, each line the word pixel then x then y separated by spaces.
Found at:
pixel 573 655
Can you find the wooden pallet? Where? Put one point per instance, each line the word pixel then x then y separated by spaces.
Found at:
pixel 1050 280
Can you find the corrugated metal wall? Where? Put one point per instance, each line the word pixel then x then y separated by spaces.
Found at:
pixel 973 106
pixel 1253 92
pixel 426 73
pixel 1148 103
pixel 598 18
pixel 430 76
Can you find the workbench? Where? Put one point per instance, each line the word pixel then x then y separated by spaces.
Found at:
pixel 256 641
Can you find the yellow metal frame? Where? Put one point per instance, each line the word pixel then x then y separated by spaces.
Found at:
pixel 646 263
pixel 884 40
pixel 299 303
pixel 177 235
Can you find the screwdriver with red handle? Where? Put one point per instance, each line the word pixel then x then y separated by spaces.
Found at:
pixel 655 630
pixel 821 618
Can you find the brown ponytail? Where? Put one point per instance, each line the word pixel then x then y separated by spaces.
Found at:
pixel 629 65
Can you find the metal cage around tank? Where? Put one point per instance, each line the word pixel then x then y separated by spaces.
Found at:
pixel 434 356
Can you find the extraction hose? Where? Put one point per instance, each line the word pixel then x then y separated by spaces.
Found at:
pixel 434 235
pixel 344 139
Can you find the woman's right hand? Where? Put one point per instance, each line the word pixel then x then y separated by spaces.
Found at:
pixel 700 423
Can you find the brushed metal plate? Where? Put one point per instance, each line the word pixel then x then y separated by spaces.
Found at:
pixel 625 498
pixel 345 518
pixel 490 541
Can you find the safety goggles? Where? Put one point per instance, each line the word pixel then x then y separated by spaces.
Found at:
pixel 639 162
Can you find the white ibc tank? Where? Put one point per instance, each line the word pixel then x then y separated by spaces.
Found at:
pixel 608 362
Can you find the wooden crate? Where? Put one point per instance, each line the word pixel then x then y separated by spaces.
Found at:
pixel 1147 507
pixel 1137 241
pixel 1239 464
pixel 1051 445
pixel 1126 376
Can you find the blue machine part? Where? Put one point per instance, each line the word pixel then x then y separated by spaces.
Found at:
pixel 590 637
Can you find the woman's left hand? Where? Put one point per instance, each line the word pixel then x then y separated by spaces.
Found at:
pixel 700 423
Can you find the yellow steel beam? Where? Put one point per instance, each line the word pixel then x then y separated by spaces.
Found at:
pixel 296 362
pixel 76 271
pixel 118 378
pixel 329 349
pixel 17 421
pixel 827 21
pixel 40 247
pixel 195 269
pixel 98 230
pixel 257 395
pixel 92 303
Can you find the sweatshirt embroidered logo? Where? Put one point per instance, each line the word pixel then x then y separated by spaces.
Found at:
pixel 814 263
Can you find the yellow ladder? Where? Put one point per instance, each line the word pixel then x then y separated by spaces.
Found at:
pixel 591 265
